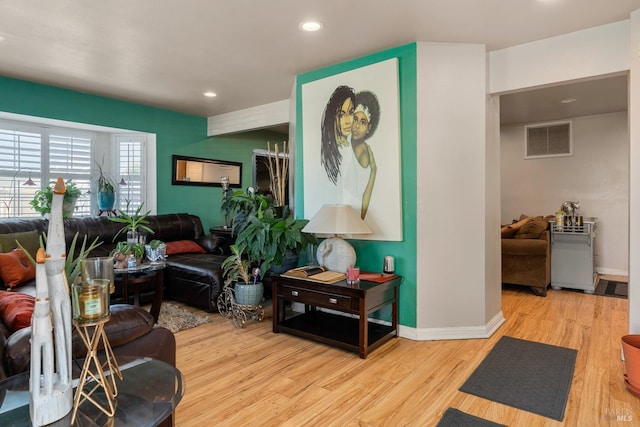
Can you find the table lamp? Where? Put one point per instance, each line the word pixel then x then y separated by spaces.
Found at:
pixel 335 253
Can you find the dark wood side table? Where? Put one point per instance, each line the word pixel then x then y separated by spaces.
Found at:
pixel 222 232
pixel 358 334
pixel 136 276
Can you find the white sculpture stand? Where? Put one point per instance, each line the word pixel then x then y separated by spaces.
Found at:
pixel 50 387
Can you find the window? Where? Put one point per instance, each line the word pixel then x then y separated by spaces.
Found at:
pixel 19 161
pixel 548 140
pixel 70 158
pixel 130 166
pixel 41 154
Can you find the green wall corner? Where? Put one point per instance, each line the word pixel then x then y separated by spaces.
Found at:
pixel 176 133
pixel 371 253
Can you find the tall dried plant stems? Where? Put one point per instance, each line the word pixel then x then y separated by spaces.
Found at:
pixel 278 171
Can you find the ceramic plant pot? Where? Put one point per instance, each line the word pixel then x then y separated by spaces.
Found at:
pixel 631 351
pixel 248 294
pixel 157 255
pixel 106 201
pixel 120 260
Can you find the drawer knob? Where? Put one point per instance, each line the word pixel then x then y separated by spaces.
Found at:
pixel 294 293
pixel 333 300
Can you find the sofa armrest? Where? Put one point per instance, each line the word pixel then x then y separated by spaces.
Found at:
pixel 127 324
pixel 3 368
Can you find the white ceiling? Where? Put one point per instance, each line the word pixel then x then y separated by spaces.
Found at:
pixel 598 96
pixel 167 53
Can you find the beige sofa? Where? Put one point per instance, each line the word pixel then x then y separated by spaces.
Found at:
pixel 526 253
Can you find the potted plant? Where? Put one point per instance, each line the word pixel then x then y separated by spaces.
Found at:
pixel 105 187
pixel 72 262
pixel 241 205
pixel 275 242
pixel 132 225
pixel 122 252
pixel 42 199
pixel 239 269
pixel 155 251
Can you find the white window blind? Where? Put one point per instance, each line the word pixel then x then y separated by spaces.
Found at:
pixel 19 159
pixel 70 158
pixel 130 151
pixel 44 153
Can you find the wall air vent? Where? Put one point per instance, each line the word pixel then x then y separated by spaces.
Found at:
pixel 548 140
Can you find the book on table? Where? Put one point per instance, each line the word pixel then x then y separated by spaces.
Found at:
pixel 315 273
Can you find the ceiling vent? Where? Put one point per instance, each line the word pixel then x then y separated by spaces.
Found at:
pixel 548 140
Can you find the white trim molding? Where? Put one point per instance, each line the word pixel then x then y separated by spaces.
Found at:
pixel 260 117
pixel 612 271
pixel 454 333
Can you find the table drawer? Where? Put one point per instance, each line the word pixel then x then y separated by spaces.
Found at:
pixel 322 299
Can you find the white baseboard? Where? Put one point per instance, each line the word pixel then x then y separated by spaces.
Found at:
pixel 612 271
pixel 455 333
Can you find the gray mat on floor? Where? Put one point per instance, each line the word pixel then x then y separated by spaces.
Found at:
pixel 526 375
pixel 456 418
pixel 612 288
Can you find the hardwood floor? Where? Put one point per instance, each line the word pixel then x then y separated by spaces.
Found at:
pixel 253 377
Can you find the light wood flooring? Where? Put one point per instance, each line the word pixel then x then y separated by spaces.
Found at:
pixel 253 377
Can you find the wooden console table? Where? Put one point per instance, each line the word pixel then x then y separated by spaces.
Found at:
pixel 344 330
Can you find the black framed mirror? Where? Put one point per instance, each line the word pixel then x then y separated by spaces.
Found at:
pixel 204 172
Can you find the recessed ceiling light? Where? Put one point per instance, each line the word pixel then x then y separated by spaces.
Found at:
pixel 2 39
pixel 209 94
pixel 568 100
pixel 310 26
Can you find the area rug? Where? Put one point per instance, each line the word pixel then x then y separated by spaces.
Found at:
pixel 456 418
pixel 612 288
pixel 526 375
pixel 176 318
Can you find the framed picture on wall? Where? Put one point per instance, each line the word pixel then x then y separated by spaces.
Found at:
pixel 351 146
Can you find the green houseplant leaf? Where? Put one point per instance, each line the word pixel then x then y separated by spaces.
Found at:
pixel 134 222
pixel 103 181
pixel 236 267
pixel 72 263
pixel 43 198
pixel 268 239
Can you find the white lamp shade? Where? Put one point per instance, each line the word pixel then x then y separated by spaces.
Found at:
pixel 337 220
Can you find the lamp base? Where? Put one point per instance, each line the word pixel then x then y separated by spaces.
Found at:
pixel 336 254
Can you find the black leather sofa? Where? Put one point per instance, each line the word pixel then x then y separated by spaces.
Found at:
pixel 192 278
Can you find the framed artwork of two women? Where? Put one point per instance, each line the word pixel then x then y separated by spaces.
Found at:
pixel 351 146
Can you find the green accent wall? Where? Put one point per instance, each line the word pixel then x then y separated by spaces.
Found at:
pixel 176 133
pixel 371 253
pixel 206 201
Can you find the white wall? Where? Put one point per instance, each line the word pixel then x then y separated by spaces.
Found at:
pixel 582 54
pixel 634 174
pixel 597 175
pixel 458 294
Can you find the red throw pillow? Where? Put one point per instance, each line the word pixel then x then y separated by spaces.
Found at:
pixel 16 268
pixel 16 309
pixel 184 247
